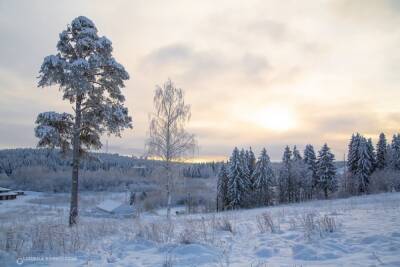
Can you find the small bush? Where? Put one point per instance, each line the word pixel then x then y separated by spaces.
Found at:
pixel 265 223
pixel 160 232
pixel 314 225
pixel 225 225
pixel 327 224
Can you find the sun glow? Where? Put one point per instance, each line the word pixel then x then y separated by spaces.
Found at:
pixel 275 118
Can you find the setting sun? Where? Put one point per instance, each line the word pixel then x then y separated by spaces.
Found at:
pixel 275 118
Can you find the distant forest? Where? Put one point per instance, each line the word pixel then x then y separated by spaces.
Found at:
pixel 13 160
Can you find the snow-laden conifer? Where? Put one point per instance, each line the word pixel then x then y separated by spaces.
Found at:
pixel 238 182
pixel 310 160
pixel 285 179
pixel 263 177
pixel 381 152
pixel 395 152
pixel 352 158
pixel 91 79
pixel 326 171
pixel 365 165
pixel 251 161
pixel 222 189
pixel 296 154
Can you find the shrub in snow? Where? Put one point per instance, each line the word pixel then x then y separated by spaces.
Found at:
pixel 309 224
pixel 50 237
pixel 266 223
pixel 169 260
pixel 313 225
pixel 188 236
pixel 327 224
pixel 222 224
pixel 160 231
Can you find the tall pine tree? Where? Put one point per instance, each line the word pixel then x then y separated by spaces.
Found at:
pixel 310 160
pixel 326 171
pixel 381 152
pixel 296 154
pixel 395 152
pixel 238 182
pixel 365 165
pixel 263 177
pixel 285 181
pixel 251 161
pixel 353 158
pixel 222 189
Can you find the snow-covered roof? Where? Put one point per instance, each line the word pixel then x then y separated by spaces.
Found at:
pixel 2 189
pixel 8 194
pixel 109 205
pixel 115 207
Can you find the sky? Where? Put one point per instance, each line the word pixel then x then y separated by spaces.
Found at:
pixel 256 73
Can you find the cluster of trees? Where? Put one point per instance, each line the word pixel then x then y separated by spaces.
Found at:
pixel 13 160
pixel 363 160
pixel 247 182
pixel 201 170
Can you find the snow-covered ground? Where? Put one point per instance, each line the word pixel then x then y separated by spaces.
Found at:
pixel 358 231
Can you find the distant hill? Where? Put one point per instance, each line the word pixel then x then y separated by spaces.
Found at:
pixel 14 159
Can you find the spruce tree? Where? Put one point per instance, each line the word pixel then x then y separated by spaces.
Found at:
pixel 310 160
pixel 285 181
pixel 251 161
pixel 298 174
pixel 238 183
pixel 222 189
pixel 352 159
pixel 326 171
pixel 244 159
pixel 263 177
pixel 364 165
pixel 371 153
pixel 381 152
pixel 395 152
pixel 296 154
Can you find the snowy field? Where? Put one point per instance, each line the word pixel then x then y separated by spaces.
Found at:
pixel 358 231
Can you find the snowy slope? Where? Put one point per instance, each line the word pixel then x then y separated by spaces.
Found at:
pixel 366 233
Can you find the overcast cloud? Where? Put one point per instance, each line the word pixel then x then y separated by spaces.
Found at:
pixel 334 66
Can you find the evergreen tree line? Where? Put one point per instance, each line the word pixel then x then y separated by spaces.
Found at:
pixel 245 181
pixel 363 160
pixel 201 170
pixel 12 160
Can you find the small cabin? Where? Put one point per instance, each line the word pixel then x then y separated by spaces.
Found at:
pixel 6 194
pixel 4 190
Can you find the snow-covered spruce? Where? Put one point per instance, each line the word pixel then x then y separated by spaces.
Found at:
pixel 263 179
pixel 238 181
pixel 310 160
pixel 222 189
pixel 326 171
pixel 381 152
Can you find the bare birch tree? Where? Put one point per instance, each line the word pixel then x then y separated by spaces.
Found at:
pixel 168 140
pixel 91 80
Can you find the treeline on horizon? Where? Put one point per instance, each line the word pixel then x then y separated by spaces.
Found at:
pixel 16 162
pixel 245 181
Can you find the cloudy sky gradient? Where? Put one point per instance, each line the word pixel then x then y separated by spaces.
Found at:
pixel 324 68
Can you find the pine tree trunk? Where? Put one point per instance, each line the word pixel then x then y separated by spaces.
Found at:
pixel 73 212
pixel 326 192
